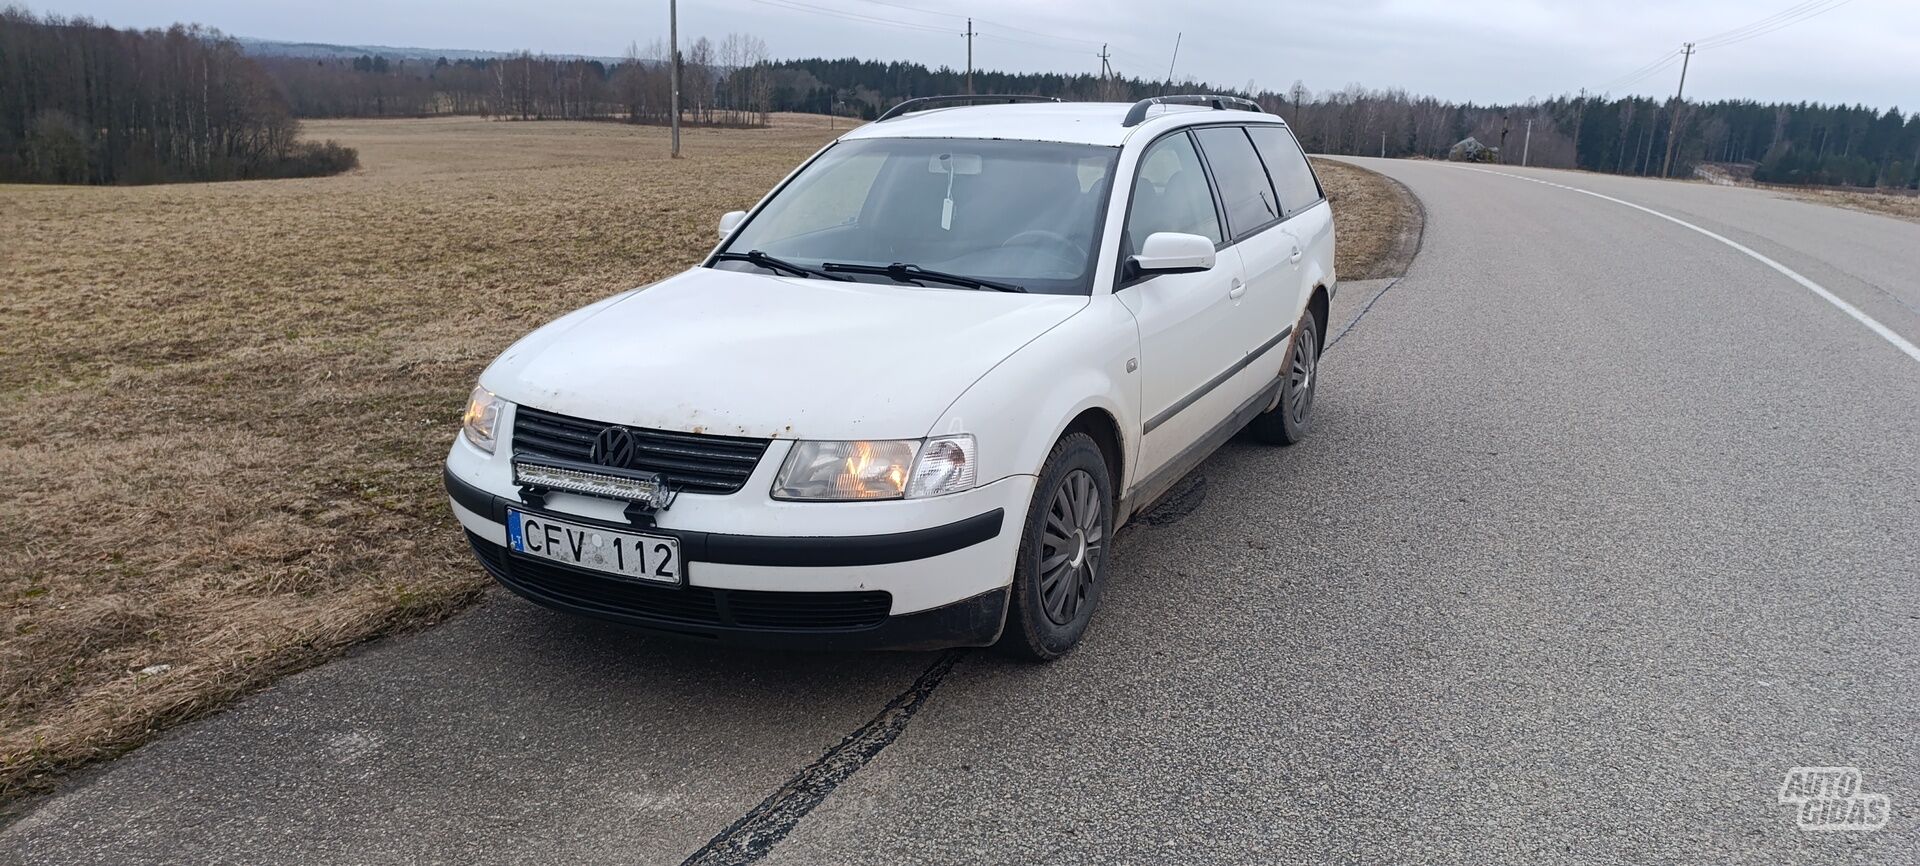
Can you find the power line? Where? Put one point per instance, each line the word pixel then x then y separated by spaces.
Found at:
pixel 1642 72
pixel 1005 38
pixel 797 6
pixel 1778 20
pixel 1752 30
pixel 1077 52
pixel 1664 66
pixel 1782 24
pixel 954 15
pixel 1084 44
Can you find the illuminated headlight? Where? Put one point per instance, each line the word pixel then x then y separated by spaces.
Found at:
pixel 891 469
pixel 483 415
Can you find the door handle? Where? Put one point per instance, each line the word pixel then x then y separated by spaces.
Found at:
pixel 1237 289
pixel 1295 257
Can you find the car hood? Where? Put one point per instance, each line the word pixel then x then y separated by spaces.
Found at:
pixel 743 354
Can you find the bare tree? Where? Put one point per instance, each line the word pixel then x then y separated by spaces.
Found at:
pixel 84 103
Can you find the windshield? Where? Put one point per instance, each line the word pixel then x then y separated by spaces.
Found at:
pixel 1024 213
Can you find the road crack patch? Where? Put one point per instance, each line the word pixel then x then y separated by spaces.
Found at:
pixel 750 838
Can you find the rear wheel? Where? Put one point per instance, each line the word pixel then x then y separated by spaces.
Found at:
pixel 1288 422
pixel 1062 563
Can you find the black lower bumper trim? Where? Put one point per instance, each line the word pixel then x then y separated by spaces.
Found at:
pixel 749 618
pixel 817 551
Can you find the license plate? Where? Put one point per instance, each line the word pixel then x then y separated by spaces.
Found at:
pixel 652 558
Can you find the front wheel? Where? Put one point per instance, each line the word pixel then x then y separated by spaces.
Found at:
pixel 1288 422
pixel 1062 563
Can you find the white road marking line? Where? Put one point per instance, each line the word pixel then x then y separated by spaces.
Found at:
pixel 1886 333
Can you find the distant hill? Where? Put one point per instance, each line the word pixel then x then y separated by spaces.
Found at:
pixel 277 48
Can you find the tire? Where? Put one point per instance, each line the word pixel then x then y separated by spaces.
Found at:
pixel 1061 567
pixel 1290 421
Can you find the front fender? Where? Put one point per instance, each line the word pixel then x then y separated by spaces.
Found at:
pixel 1018 410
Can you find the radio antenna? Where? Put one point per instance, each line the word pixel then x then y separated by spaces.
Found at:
pixel 1170 63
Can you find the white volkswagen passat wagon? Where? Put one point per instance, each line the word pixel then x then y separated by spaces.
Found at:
pixel 910 396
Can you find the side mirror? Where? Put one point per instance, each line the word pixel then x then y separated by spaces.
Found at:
pixel 1174 253
pixel 730 221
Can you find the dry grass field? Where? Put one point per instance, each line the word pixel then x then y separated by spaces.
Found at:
pixel 1905 207
pixel 227 403
pixel 1376 221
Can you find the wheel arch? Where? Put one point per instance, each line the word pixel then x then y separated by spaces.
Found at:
pixel 1321 306
pixel 1100 425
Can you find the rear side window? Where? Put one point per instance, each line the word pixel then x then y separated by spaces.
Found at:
pixel 1244 188
pixel 1291 175
pixel 1170 194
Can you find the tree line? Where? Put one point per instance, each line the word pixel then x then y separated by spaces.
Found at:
pixel 1785 143
pixel 1788 143
pixel 114 106
pixel 85 103
pixel 726 83
pixel 734 83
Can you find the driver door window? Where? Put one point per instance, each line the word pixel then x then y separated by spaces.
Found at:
pixel 1170 194
pixel 1189 323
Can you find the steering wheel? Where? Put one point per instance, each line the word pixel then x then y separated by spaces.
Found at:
pixel 1062 248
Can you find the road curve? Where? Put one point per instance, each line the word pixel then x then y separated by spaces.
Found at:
pixel 1604 527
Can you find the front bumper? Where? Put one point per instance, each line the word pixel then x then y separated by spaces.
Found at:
pixel 938 586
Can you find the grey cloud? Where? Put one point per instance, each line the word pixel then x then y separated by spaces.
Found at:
pixel 1485 51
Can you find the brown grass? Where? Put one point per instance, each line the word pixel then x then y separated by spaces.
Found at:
pixel 227 403
pixel 1375 220
pixel 1905 207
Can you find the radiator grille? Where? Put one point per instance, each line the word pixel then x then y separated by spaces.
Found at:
pixel 693 462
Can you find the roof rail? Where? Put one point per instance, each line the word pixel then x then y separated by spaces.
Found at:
pixel 925 102
pixel 1219 103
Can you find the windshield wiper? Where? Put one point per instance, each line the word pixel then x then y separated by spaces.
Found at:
pixel 756 257
pixel 906 273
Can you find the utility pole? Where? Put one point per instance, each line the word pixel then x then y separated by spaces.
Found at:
pixel 970 34
pixel 673 55
pixel 1503 139
pixel 1383 144
pixel 1526 146
pixel 1579 118
pixel 1106 73
pixel 1673 123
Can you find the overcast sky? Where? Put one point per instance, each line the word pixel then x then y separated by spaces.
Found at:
pixel 1481 50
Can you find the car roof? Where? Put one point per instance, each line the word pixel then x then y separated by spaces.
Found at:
pixel 1097 123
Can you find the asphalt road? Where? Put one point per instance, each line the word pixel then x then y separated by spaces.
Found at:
pixel 1605 526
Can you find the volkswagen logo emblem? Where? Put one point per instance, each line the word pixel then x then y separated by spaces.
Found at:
pixel 614 447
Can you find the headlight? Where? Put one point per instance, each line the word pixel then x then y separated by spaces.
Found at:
pixel 483 415
pixel 945 466
pixel 911 468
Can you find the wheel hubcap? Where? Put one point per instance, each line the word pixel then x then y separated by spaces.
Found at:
pixel 1299 398
pixel 1070 544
